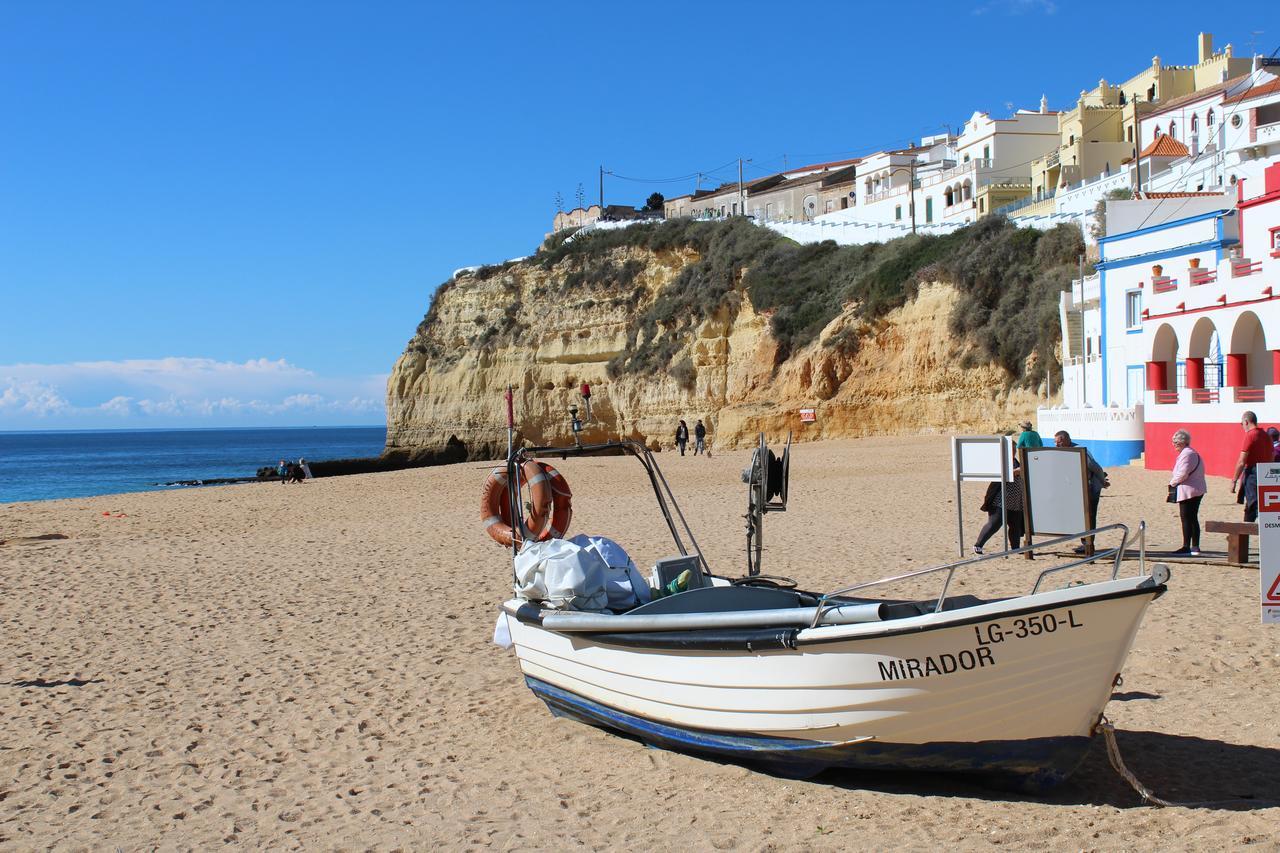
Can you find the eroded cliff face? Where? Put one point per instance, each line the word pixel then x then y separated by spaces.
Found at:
pixel 903 375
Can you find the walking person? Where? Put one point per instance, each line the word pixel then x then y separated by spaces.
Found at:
pixel 682 436
pixel 283 471
pixel 1098 480
pixel 1186 489
pixel 700 438
pixel 1011 498
pixel 1029 438
pixel 1255 450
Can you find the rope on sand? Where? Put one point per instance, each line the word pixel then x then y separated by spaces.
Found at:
pixel 1117 762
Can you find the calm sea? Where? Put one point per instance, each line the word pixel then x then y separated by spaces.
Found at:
pixel 72 464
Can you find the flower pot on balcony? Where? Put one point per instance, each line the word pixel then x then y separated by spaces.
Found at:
pixel 1157 270
pixel 1195 263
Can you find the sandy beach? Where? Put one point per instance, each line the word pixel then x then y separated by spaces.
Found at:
pixel 312 666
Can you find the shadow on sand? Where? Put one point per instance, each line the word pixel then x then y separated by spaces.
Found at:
pixel 1204 773
pixel 64 682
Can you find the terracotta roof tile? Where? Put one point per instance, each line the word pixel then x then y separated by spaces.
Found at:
pixel 1165 146
pixel 1188 194
pixel 1255 92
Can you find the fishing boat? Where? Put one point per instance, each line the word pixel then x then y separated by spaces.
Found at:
pixel 756 670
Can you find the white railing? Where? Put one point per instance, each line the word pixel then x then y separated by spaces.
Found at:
pixel 1269 132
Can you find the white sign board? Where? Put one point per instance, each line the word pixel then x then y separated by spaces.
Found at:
pixel 1057 490
pixel 1269 541
pixel 977 457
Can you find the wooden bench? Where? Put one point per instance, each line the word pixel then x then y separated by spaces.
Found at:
pixel 1238 533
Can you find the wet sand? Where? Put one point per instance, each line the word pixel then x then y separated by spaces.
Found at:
pixel 310 665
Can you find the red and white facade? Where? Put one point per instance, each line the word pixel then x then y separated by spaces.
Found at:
pixel 1181 326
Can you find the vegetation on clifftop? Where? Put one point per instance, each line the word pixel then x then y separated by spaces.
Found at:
pixel 1008 278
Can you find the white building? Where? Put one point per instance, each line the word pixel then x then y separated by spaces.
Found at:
pixel 1180 328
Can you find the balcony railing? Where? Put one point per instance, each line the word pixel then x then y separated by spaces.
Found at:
pixel 1204 395
pixel 1166 397
pixel 1250 394
pixel 1202 276
pixel 1241 267
pixel 1163 284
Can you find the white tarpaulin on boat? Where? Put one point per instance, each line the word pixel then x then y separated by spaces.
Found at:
pixel 585 573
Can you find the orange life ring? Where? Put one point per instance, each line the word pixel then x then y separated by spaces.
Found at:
pixel 555 524
pixel 549 511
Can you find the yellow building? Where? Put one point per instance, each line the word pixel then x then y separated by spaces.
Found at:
pixel 1097 135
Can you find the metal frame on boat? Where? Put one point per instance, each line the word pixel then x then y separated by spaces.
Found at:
pixel 755 670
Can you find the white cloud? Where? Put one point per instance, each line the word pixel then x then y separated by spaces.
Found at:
pixel 29 397
pixel 182 391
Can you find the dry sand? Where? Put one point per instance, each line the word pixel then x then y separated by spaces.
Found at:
pixel 311 665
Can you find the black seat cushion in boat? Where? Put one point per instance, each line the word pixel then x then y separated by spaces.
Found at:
pixel 907 609
pixel 722 599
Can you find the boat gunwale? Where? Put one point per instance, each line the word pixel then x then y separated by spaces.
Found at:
pixel 923 623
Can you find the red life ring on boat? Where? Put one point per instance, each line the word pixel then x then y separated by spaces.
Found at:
pixel 549 511
pixel 554 525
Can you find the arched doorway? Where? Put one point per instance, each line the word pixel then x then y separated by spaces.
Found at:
pixel 1249 363
pixel 1203 362
pixel 1162 377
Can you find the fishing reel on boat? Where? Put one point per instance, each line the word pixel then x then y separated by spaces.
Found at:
pixel 766 478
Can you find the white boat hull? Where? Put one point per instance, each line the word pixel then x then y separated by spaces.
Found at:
pixel 1010 688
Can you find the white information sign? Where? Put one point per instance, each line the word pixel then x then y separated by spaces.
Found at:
pixel 1057 492
pixel 977 457
pixel 1269 541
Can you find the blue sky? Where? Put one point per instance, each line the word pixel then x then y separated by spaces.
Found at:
pixel 235 213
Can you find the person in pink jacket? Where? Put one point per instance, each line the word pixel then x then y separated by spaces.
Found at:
pixel 1187 487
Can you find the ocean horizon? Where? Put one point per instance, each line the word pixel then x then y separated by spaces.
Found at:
pixel 70 463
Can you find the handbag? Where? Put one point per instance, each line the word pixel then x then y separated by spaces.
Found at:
pixel 1172 497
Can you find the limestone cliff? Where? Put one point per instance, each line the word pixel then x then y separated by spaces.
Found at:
pixel 545 331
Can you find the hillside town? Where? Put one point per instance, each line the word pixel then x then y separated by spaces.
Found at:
pixel 1173 177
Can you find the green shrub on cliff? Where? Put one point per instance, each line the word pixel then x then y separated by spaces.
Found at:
pixel 1008 279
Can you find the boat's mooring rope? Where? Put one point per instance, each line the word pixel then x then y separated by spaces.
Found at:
pixel 1117 762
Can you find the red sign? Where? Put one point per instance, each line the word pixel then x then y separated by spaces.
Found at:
pixel 1268 498
pixel 808 416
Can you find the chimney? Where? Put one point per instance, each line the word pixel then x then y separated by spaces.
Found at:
pixel 1206 47
pixel 1044 105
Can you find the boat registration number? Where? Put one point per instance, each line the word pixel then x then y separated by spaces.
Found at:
pixel 1025 626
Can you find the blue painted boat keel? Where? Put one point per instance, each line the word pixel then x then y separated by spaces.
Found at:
pixel 1029 765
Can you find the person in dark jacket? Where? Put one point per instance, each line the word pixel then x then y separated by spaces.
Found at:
pixel 1011 498
pixel 700 438
pixel 682 436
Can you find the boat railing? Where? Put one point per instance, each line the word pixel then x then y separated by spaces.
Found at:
pixel 1116 554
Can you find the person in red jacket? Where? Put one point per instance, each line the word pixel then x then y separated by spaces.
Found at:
pixel 1256 448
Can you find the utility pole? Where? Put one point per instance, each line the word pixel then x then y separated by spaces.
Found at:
pixel 1137 145
pixel 912 188
pixel 1084 346
pixel 602 190
pixel 742 199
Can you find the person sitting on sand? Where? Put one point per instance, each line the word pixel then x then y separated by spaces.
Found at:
pixel 295 473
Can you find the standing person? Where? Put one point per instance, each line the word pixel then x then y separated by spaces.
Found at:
pixel 1029 438
pixel 1186 488
pixel 1011 498
pixel 1274 435
pixel 586 398
pixel 1256 449
pixel 1098 480
pixel 283 471
pixel 306 469
pixel 682 436
pixel 700 438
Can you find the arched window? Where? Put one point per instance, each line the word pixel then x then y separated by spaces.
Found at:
pixel 1195 122
pixel 946 197
pixel 1208 118
pixel 1173 130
